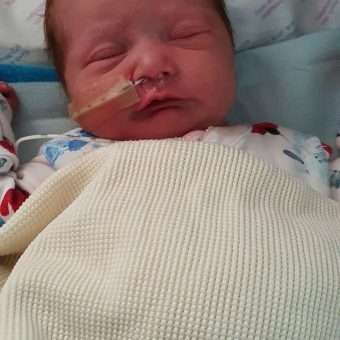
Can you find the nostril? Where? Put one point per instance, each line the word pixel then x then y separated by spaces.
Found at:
pixel 162 78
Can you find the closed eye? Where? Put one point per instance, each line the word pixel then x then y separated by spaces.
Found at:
pixel 105 54
pixel 189 35
pixel 186 35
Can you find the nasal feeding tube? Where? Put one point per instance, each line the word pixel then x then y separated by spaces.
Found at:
pixel 117 93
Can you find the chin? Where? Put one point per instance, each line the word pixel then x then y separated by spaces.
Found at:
pixel 165 124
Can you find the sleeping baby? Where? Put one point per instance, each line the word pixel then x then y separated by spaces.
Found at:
pixel 174 63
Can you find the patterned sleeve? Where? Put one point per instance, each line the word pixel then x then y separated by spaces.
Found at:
pixel 302 156
pixel 11 196
pixel 18 182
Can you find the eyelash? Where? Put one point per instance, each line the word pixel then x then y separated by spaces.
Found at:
pixel 184 36
pixel 186 33
pixel 105 54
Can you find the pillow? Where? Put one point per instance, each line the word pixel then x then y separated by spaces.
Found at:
pixel 265 22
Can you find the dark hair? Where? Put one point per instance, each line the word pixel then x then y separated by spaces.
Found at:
pixel 222 11
pixel 56 53
pixel 54 50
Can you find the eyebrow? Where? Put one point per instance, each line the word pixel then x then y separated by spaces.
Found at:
pixel 95 33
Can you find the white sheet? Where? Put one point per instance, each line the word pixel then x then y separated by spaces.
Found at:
pixel 256 23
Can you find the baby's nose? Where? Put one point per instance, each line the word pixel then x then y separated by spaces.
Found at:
pixel 155 63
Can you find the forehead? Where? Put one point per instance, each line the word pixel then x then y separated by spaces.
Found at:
pixel 84 12
pixel 155 4
pixel 77 18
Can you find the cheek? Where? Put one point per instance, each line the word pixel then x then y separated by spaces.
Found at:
pixel 214 84
pixel 224 79
pixel 225 88
pixel 74 82
pixel 103 123
pixel 78 81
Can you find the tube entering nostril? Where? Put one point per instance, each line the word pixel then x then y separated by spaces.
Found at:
pixel 152 84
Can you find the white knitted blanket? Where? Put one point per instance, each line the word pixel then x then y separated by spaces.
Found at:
pixel 171 240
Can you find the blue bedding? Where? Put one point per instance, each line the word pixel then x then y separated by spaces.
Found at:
pixel 23 74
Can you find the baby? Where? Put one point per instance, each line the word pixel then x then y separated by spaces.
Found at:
pixel 183 52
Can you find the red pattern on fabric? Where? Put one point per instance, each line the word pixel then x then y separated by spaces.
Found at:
pixel 6 144
pixel 262 128
pixel 327 148
pixel 13 198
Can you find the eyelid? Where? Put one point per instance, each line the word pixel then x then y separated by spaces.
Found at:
pixel 184 31
pixel 105 53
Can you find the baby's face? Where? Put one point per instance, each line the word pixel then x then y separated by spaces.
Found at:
pixel 185 41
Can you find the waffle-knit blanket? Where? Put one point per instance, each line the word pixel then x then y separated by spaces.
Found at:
pixel 171 240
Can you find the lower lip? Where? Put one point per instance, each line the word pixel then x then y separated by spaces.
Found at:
pixel 156 111
pixel 153 114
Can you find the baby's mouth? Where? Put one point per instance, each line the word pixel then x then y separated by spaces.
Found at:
pixel 156 106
